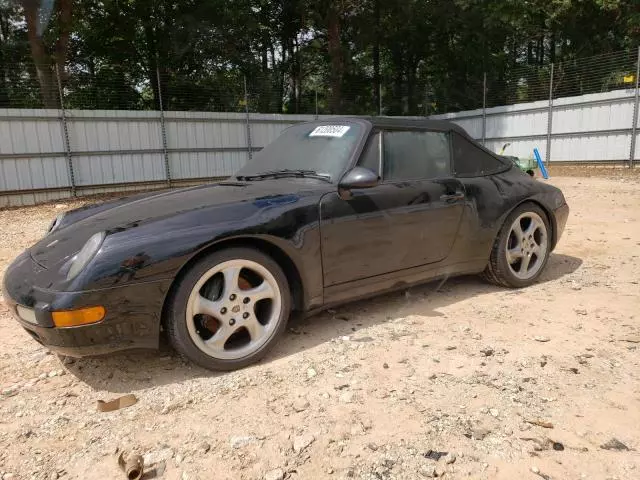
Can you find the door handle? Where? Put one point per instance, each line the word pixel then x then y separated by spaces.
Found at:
pixel 452 198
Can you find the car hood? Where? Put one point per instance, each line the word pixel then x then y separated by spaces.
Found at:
pixel 223 202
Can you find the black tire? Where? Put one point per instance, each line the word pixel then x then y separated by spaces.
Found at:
pixel 176 316
pixel 497 270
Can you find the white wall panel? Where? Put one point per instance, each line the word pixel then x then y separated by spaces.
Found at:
pixel 594 127
pixel 205 164
pixel 121 168
pixel 121 147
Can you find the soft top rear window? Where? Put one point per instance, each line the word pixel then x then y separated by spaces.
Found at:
pixel 472 161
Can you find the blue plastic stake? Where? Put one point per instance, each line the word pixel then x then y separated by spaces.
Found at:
pixel 540 164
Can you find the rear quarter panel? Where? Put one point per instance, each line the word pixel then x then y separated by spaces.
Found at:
pixel 489 200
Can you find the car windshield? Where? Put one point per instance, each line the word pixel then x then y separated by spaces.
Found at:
pixel 319 148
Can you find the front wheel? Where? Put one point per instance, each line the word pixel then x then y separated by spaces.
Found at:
pixel 229 309
pixel 521 249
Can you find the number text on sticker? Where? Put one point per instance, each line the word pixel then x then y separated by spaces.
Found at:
pixel 330 131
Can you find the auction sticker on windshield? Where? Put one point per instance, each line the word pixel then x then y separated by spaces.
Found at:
pixel 337 131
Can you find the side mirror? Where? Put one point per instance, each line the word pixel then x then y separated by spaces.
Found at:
pixel 359 177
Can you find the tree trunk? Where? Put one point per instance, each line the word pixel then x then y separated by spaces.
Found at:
pixel 335 53
pixel 265 95
pixel 511 90
pixel 291 48
pixel 281 79
pixel 376 59
pixel 4 28
pixel 297 73
pixel 152 61
pixel 64 24
pixel 43 62
pixel 398 62
pixel 277 86
pixel 541 48
pixel 4 74
pixel 46 63
pixel 412 103
pixel 4 93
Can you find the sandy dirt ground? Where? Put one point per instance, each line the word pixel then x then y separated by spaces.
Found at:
pixel 378 389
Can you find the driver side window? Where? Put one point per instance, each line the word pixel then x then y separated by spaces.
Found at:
pixel 416 155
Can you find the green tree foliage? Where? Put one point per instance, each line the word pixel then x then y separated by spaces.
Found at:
pixel 399 57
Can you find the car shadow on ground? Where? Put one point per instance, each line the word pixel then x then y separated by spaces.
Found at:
pixel 140 370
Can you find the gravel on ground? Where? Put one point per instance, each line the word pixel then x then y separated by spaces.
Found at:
pixel 465 381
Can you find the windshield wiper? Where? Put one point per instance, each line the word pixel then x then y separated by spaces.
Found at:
pixel 287 173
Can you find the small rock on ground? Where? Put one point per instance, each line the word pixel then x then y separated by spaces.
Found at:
pixel 275 474
pixel 158 456
pixel 428 471
pixel 542 339
pixel 300 405
pixel 237 442
pixel 204 447
pixel 301 442
pixel 614 444
pixel 479 433
pixel 346 397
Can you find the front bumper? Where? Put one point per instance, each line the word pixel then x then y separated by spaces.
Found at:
pixel 132 317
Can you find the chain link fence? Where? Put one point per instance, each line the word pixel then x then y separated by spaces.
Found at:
pixel 617 71
pixel 97 122
pixel 86 85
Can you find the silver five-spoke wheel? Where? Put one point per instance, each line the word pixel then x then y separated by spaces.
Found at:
pixel 233 309
pixel 521 248
pixel 527 245
pixel 228 308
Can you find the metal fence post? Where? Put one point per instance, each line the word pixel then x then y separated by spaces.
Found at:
pixel 316 90
pixel 634 127
pixel 550 118
pixel 380 99
pixel 163 130
pixel 246 109
pixel 65 135
pixel 484 109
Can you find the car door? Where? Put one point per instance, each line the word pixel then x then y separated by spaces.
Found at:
pixel 410 219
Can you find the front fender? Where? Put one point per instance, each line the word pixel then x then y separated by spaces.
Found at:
pixel 300 261
pixel 161 250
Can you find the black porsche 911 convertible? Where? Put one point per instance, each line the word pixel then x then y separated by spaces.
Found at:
pixel 329 212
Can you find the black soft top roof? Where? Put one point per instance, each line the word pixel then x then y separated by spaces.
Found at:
pixel 427 124
pixel 400 122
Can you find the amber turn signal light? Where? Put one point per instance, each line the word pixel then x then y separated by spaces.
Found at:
pixel 76 318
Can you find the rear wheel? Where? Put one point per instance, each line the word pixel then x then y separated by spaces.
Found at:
pixel 522 248
pixel 229 309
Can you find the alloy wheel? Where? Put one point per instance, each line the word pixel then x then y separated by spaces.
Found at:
pixel 233 309
pixel 527 245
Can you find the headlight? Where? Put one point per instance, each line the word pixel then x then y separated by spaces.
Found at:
pixel 53 226
pixel 85 255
